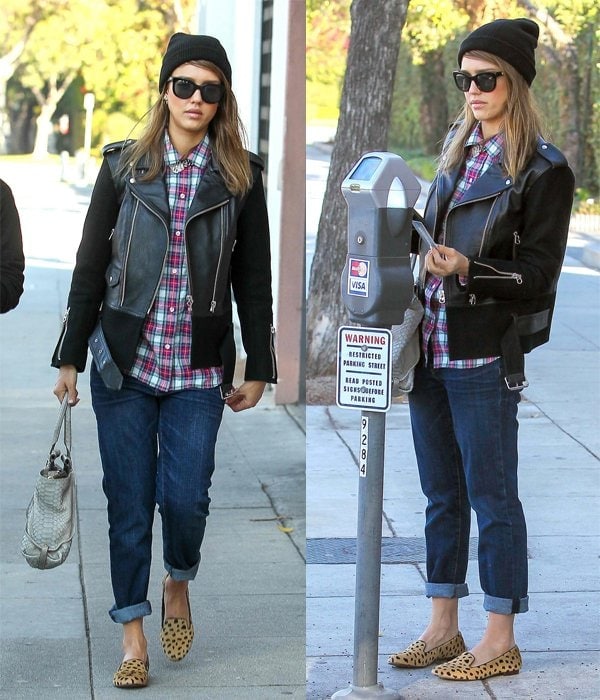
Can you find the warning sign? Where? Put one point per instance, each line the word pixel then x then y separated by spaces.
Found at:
pixel 364 368
pixel 358 277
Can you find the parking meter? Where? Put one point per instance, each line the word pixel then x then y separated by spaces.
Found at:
pixel 377 280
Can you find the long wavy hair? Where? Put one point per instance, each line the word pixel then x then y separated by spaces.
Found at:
pixel 522 123
pixel 226 133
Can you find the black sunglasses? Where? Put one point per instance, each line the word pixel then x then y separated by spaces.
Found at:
pixel 184 89
pixel 486 81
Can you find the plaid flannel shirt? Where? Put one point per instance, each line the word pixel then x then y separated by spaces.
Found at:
pixel 163 352
pixel 480 154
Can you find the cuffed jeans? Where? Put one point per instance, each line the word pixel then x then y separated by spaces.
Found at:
pixel 465 427
pixel 156 449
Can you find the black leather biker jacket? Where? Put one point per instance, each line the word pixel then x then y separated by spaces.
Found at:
pixel 121 257
pixel 514 234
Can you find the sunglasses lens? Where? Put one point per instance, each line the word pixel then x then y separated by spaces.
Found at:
pixel 463 82
pixel 183 89
pixel 211 93
pixel 486 82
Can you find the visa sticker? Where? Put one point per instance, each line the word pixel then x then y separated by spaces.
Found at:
pixel 358 277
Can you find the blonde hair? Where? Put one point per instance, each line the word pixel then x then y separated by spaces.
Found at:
pixel 522 123
pixel 226 133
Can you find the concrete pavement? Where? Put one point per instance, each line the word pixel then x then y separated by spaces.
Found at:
pixel 560 488
pixel 248 600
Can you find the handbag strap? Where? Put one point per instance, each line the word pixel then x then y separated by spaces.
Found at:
pixel 64 416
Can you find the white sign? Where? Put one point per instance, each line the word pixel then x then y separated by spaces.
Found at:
pixel 364 368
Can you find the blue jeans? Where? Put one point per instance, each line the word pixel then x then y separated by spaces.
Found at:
pixel 156 448
pixel 464 424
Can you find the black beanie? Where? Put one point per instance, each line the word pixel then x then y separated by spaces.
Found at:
pixel 513 40
pixel 184 48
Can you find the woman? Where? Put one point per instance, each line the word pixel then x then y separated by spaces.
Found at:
pixel 499 210
pixel 176 222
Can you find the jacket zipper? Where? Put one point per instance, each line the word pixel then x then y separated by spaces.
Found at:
pixel 158 216
pixel 472 297
pixel 272 350
pixel 190 297
pixel 65 324
pixel 124 280
pixel 499 274
pixel 213 302
pixel 485 228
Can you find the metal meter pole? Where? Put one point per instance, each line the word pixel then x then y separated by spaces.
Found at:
pixel 368 561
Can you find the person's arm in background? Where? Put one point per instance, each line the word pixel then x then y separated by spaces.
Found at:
pixel 12 260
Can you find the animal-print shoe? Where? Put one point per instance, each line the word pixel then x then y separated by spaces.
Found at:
pixel 462 669
pixel 415 656
pixel 177 633
pixel 132 673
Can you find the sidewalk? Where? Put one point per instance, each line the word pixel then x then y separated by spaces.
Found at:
pixel 560 489
pixel 248 600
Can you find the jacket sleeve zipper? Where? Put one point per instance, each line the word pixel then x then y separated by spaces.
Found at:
pixel 65 325
pixel 272 350
pixel 499 273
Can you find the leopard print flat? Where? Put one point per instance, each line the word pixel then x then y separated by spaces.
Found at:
pixel 415 656
pixel 132 673
pixel 462 669
pixel 176 634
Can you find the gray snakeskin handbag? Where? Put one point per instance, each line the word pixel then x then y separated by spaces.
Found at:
pixel 50 518
pixel 406 349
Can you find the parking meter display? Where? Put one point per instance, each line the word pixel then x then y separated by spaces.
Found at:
pixel 366 168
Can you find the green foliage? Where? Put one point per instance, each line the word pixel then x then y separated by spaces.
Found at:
pixel 405 126
pixel 406 130
pixel 327 35
pixel 322 102
pixel 430 25
pixel 423 166
pixel 575 15
pixel 114 45
pixel 585 203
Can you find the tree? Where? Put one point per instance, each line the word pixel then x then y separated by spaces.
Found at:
pixel 115 46
pixel 363 126
pixel 17 22
pixel 570 44
pixel 428 29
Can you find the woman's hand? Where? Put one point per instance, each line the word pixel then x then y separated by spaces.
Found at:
pixel 247 396
pixel 442 261
pixel 67 384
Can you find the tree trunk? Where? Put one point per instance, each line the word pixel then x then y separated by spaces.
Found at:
pixel 362 127
pixel 48 104
pixel 8 63
pixel 434 104
pixel 43 124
